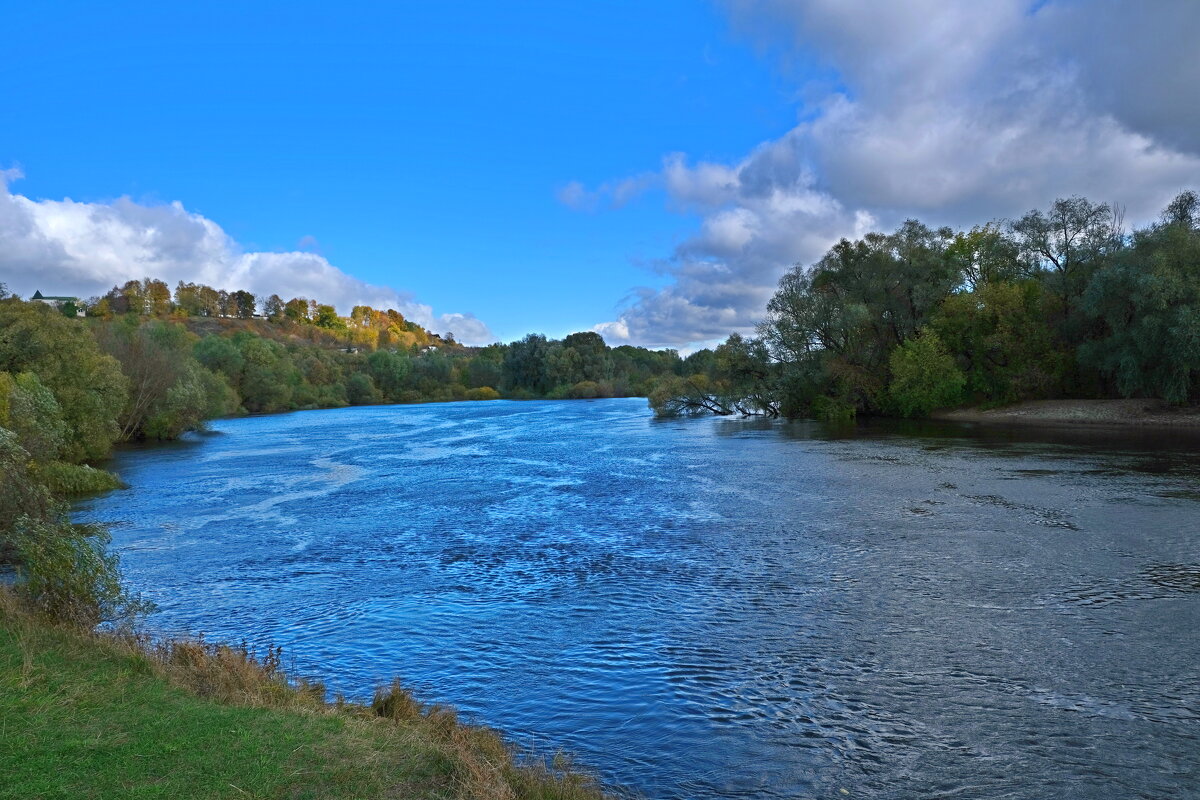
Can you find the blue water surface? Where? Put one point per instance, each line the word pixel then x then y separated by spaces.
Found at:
pixel 707 608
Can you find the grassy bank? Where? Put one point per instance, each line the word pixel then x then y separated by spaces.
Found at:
pixel 92 716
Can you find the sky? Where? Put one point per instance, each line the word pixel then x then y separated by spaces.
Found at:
pixel 646 170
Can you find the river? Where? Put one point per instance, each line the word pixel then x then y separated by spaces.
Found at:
pixel 705 608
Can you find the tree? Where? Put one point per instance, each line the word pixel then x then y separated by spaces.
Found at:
pixel 134 295
pixel 156 298
pixel 745 376
pixel 390 372
pixel 594 362
pixel 296 309
pixel 29 410
pixel 1147 301
pixel 986 255
pixel 742 381
pixel 673 396
pixel 360 390
pixel 485 370
pixel 273 308
pixel 1001 337
pixel 924 376
pixel 169 391
pixel 1068 242
pixel 87 385
pixel 243 304
pixel 268 376
pixel 833 327
pixel 326 317
pixel 525 366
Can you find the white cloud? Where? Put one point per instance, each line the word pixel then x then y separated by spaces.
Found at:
pixel 610 194
pixel 65 247
pixel 952 111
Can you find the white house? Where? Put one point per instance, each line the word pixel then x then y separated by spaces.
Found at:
pixel 59 302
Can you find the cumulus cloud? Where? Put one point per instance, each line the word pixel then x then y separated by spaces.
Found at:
pixel 66 247
pixel 952 111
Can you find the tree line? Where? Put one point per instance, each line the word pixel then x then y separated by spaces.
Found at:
pixel 1062 302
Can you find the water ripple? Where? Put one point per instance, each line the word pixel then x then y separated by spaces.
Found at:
pixel 707 608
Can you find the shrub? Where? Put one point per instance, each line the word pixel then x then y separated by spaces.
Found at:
pixel 584 390
pixel 483 393
pixel 833 409
pixel 361 391
pixel 924 376
pixel 68 479
pixel 66 571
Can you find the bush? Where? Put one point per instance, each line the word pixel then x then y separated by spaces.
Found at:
pixel 833 409
pixel 66 570
pixel 28 409
pixel 68 479
pixel 924 376
pixel 483 393
pixel 361 391
pixel 87 386
pixel 584 390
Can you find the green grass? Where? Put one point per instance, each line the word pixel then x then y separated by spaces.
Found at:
pixel 85 717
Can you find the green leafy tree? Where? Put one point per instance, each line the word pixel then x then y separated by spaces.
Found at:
pixel 745 376
pixel 485 368
pixel 169 390
pixel 390 372
pixel 1148 304
pixel 297 310
pixel 244 304
pixel 840 320
pixel 1068 242
pixel 67 572
pixel 985 255
pixel 525 366
pixel 1002 338
pixel 273 308
pixel 87 385
pixel 674 395
pixel 326 317
pixel 924 376
pixel 361 390
pixel 29 410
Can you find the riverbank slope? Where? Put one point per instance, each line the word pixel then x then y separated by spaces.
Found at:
pixel 95 716
pixel 1113 413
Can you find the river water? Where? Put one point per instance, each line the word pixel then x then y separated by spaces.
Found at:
pixel 709 608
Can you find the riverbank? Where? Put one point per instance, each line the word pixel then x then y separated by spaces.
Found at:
pixel 1151 414
pixel 97 716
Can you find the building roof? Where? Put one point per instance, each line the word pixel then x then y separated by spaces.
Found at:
pixel 39 296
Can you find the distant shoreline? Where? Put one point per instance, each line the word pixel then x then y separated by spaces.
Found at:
pixel 1078 413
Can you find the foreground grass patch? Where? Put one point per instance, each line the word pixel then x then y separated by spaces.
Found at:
pixel 87 717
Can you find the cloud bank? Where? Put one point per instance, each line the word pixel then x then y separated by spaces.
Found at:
pixel 952 111
pixel 65 247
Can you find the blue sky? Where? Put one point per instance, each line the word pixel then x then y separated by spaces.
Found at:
pixel 421 145
pixel 647 169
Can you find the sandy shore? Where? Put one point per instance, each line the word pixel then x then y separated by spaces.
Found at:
pixel 1116 413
